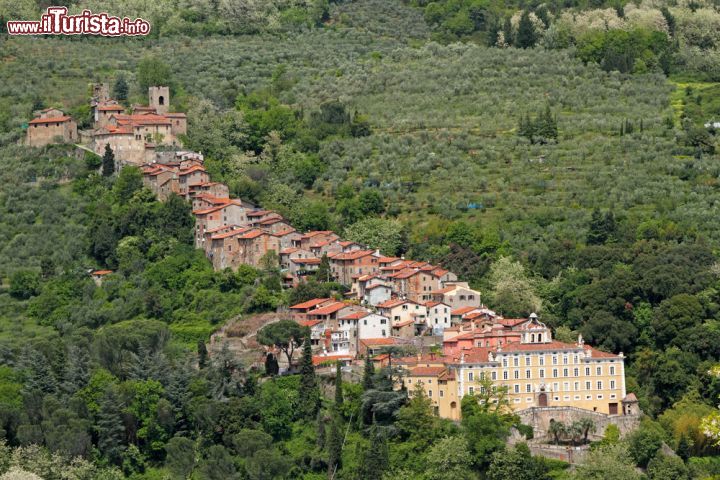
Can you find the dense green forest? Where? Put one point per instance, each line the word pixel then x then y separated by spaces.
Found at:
pixel 573 178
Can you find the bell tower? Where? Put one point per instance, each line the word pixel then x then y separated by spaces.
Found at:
pixel 159 99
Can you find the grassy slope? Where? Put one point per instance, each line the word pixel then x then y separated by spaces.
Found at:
pixel 443 117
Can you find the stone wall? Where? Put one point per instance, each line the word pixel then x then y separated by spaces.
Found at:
pixel 539 418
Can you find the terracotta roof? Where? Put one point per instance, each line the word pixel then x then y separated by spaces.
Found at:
pixel 308 261
pixel 320 359
pixel 463 310
pixel 254 234
pixel 287 231
pixel 328 309
pixel 435 304
pixel 108 108
pixel 355 316
pixel 353 255
pixel 439 272
pixel 394 302
pixel 443 290
pixel 406 273
pixel 426 371
pixel 310 303
pixel 192 169
pixel 258 213
pixel 272 220
pixel 630 397
pixel 62 119
pixel 232 233
pixel 101 272
pixel 347 243
pixel 387 259
pixel 309 323
pixel 473 355
pixel 288 251
pixel 378 285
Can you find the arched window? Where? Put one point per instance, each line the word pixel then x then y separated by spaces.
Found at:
pixel 161 100
pixel 532 338
pixel 539 337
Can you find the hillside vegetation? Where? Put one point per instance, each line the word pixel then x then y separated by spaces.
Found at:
pixel 373 122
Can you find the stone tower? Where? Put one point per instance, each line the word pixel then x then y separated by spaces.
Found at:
pixel 159 98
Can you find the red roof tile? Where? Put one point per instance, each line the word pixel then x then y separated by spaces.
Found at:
pixel 62 119
pixel 310 303
pixel 328 309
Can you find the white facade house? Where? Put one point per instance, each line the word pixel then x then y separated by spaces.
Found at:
pixel 377 294
pixel 373 325
pixel 438 316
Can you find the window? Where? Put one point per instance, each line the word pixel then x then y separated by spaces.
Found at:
pixel 565 360
pixel 565 372
pixel 542 360
pixel 612 369
pixel 471 390
pixel 542 373
pixel 516 374
pixel 566 387
pixel 470 377
pixel 517 388
pixel 588 385
pixel 383 333
pixel 504 362
pixel 430 393
pixel 598 371
pixel 555 373
pixel 577 386
pixel 528 387
pixel 494 375
pixel 554 360
pixel 383 321
pixel 576 372
pixel 612 384
pixel 528 374
pixel 587 371
pixel 599 385
pixel 442 393
pixel 505 375
pixel 600 397
pixel 516 362
pixel 528 361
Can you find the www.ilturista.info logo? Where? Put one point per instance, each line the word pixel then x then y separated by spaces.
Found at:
pixel 57 22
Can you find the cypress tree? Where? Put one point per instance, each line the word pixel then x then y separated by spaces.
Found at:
pixel 110 427
pixel 526 35
pixel 596 234
pixel 375 460
pixel 202 354
pixel 507 32
pixel 323 271
pixel 321 434
pixel 368 373
pixel 309 394
pixel 609 226
pixel 120 89
pixel 108 161
pixel 338 386
pixel 334 447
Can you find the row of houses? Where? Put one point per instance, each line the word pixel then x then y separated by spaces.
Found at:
pixel 480 349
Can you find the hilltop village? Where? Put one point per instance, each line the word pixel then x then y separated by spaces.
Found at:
pixel 391 302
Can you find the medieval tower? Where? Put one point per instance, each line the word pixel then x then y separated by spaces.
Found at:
pixel 159 99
